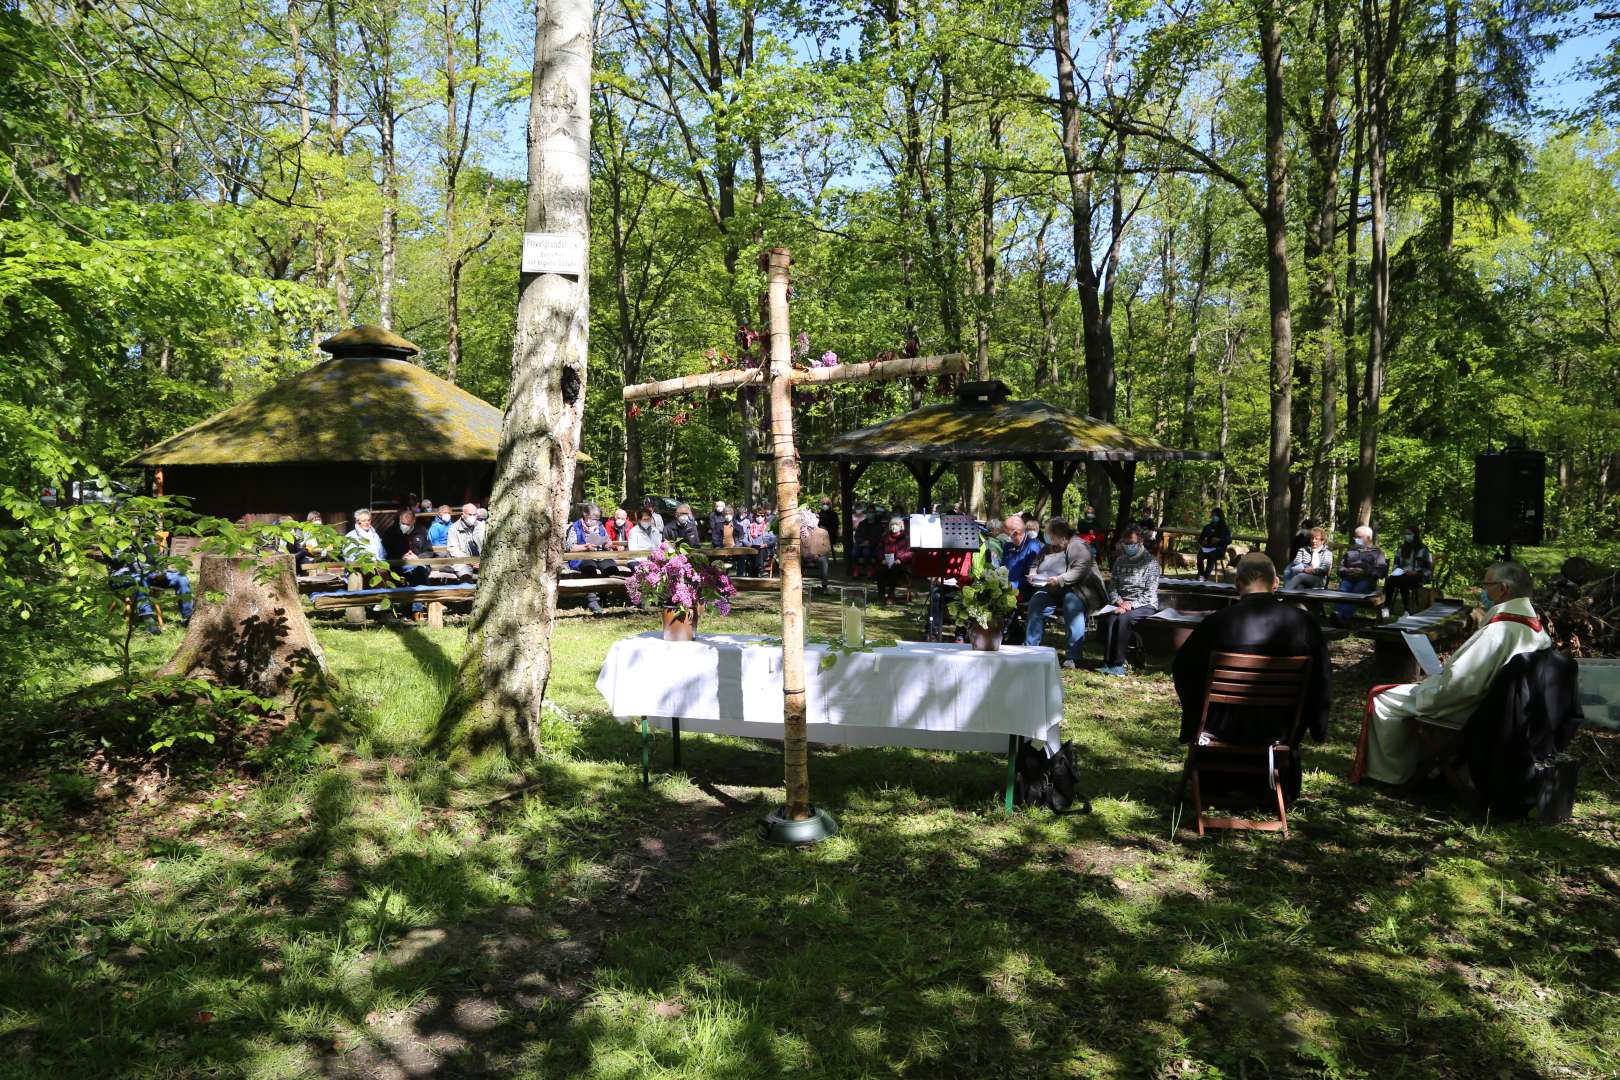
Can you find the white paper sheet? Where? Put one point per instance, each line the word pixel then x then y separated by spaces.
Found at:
pixel 1423 652
pixel 1109 610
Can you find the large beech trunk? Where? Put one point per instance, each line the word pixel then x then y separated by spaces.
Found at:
pixel 507 661
pixel 248 630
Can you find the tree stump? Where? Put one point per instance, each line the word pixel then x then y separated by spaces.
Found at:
pixel 248 630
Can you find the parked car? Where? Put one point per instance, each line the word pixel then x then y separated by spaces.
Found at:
pixel 79 492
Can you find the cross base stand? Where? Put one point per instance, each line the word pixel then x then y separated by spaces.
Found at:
pixel 774 828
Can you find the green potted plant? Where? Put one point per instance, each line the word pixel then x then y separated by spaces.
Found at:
pixel 985 602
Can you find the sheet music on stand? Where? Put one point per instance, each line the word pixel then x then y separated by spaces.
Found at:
pixel 1423 652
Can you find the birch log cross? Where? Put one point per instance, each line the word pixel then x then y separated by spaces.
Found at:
pixel 782 378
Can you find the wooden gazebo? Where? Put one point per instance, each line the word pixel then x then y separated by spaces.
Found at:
pixel 982 424
pixel 364 428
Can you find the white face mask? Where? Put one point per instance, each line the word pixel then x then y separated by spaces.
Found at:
pixel 1032 533
pixel 896 529
pixel 728 517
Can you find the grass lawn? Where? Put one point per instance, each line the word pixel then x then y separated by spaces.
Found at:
pixel 364 911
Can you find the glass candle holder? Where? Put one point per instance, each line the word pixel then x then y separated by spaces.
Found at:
pixel 853 608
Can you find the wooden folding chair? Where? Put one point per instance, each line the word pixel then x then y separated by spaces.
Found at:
pixel 1240 681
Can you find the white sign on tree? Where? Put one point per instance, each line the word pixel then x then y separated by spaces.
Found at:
pixel 553 253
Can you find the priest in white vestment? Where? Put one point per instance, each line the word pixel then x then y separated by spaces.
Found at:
pixel 1392 748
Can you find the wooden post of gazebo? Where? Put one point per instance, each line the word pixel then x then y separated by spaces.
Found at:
pixel 796 821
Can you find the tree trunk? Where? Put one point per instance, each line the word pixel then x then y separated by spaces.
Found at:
pixel 1189 365
pixel 507 663
pixel 1352 382
pixel 1327 146
pixel 1445 129
pixel 334 133
pixel 1382 36
pixel 1279 518
pixel 1096 333
pixel 254 636
pixel 390 225
pixel 977 499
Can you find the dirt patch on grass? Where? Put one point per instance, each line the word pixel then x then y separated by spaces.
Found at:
pixel 504 964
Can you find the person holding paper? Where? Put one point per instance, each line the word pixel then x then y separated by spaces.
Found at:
pixel 1389 750
pixel 1135 597
pixel 1413 568
pixel 894 557
pixel 1065 580
pixel 1313 561
pixel 1259 624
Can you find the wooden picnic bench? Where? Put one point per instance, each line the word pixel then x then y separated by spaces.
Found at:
pixel 1444 622
pixel 1211 595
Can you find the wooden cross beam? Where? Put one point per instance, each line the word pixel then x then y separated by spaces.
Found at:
pixel 781 378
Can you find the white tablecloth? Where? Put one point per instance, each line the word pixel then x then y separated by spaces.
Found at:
pixel 917 694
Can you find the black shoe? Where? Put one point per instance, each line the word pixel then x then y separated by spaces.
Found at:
pixel 593 605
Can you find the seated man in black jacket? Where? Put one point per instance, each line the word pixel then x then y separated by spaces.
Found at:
pixel 1261 625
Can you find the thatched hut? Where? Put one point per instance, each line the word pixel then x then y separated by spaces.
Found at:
pixel 366 428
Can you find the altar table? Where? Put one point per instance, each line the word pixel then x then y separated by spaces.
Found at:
pixel 925 695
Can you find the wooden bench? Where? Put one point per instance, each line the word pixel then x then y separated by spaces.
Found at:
pixel 1163 633
pixel 434 596
pixel 1443 622
pixel 1318 599
pixel 1198 595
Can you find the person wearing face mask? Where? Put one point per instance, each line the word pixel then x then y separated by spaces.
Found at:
pixel 438 533
pixel 1063 580
pixel 830 521
pixel 1313 561
pixel 684 529
pixel 719 518
pixel 618 528
pixel 1390 750
pixel 894 557
pixel 644 535
pixel 588 534
pixel 869 533
pixel 1412 570
pixel 1213 540
pixel 1135 597
pixel 1089 531
pixel 1360 571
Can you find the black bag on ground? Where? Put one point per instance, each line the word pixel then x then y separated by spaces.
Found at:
pixel 1050 781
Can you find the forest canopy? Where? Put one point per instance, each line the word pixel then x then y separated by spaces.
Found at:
pixel 1349 246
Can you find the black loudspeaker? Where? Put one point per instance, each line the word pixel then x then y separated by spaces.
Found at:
pixel 1510 497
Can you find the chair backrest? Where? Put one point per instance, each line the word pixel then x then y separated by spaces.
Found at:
pixel 1271 684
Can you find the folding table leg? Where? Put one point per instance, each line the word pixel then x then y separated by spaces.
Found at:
pixel 646 751
pixel 675 730
pixel 1012 772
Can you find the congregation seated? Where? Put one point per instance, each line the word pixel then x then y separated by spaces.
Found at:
pixel 1412 569
pixel 1063 580
pixel 406 541
pixel 588 534
pixel 142 566
pixel 1213 540
pixel 1390 749
pixel 684 530
pixel 1312 562
pixel 1135 597
pixel 1361 570
pixel 438 531
pixel 894 560
pixel 363 538
pixel 465 540
pixel 1258 624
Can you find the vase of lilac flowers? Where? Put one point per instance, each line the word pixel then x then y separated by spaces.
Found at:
pixel 682 583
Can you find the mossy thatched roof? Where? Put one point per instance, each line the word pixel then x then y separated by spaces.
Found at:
pixel 996 430
pixel 349 409
pixel 369 339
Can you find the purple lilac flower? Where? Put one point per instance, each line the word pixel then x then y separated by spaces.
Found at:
pixel 828 359
pixel 801 346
